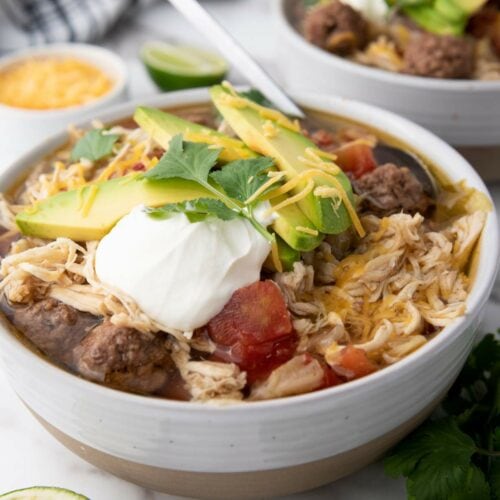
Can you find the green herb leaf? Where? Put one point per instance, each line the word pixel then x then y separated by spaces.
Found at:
pixel 440 441
pixel 494 479
pixel 258 97
pixel 432 481
pixel 457 457
pixel 195 210
pixel 94 145
pixel 193 161
pixel 185 160
pixel 242 178
pixel 486 354
pixel 474 486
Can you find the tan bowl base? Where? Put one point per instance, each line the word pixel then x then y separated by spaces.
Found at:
pixel 240 485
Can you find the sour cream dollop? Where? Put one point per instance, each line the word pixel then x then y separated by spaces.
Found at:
pixel 374 10
pixel 181 274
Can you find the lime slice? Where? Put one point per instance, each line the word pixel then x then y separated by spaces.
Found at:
pixel 42 493
pixel 175 67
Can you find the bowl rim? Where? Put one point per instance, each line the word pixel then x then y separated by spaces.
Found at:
pixel 83 51
pixel 384 76
pixel 476 299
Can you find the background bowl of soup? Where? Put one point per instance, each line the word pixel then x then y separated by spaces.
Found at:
pixel 45 89
pixel 263 448
pixel 462 112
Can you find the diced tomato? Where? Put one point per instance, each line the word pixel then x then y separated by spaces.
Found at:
pixel 256 313
pixel 356 158
pixel 139 167
pixel 254 330
pixel 258 360
pixel 353 363
pixel 331 378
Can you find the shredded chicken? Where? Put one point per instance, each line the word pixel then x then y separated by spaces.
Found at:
pixel 381 53
pixel 65 271
pixel 403 281
pixel 299 375
pixel 208 380
pixel 401 277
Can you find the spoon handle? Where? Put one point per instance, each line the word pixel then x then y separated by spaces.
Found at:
pixel 238 56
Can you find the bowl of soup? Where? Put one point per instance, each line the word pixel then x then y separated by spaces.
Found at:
pixel 449 83
pixel 44 89
pixel 200 293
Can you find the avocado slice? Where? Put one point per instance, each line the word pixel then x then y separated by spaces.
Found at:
pixel 442 17
pixel 162 126
pixel 90 212
pixel 435 21
pixel 286 146
pixel 286 254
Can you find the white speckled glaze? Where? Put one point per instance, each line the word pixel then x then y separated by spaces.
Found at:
pixel 264 435
pixel 462 112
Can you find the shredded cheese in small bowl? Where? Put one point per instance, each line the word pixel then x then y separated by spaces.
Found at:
pixel 45 89
pixel 52 82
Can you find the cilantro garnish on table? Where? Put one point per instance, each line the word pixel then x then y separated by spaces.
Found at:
pixel 456 454
pixel 231 186
pixel 94 145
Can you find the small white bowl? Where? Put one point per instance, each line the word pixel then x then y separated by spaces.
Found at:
pixel 462 112
pixel 264 448
pixel 21 129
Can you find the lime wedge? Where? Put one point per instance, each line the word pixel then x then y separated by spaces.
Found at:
pixel 175 67
pixel 42 493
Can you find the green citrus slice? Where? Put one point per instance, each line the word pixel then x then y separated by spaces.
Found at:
pixel 42 493
pixel 175 67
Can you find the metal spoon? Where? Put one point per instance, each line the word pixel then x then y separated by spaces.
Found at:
pixel 261 80
pixel 237 55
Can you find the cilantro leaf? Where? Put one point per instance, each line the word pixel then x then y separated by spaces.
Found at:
pixel 195 210
pixel 441 441
pixel 193 161
pixel 486 354
pixel 494 479
pixel 495 438
pixel 94 145
pixel 457 457
pixel 436 460
pixel 185 160
pixel 439 480
pixel 473 487
pixel 242 178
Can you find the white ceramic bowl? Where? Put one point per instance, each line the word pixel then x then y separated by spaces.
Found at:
pixel 21 129
pixel 462 112
pixel 263 448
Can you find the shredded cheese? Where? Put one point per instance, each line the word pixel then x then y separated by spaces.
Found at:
pixel 269 129
pixel 90 195
pixel 307 230
pixel 275 257
pixel 274 178
pixel 293 199
pixel 273 115
pixel 52 83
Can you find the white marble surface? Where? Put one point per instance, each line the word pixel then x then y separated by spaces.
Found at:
pixel 28 455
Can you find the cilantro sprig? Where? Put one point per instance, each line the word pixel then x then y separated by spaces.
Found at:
pixel 94 145
pixel 231 186
pixel 456 455
pixel 196 210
